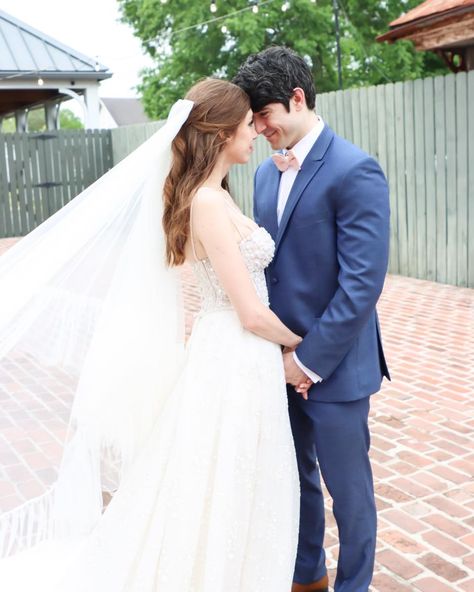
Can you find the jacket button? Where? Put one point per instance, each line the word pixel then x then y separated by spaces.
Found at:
pixel 274 280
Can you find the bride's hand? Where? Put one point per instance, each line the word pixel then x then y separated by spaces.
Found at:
pixel 303 388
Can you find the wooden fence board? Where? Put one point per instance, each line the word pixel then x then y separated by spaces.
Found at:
pixel 4 191
pixel 20 147
pixel 419 226
pixel 372 114
pixel 451 181
pixel 461 179
pixel 391 172
pixel 401 212
pixel 380 139
pixel 27 164
pixel 75 163
pixel 340 117
pixel 430 176
pixel 364 120
pixel 440 142
pixel 470 184
pixel 410 175
pixel 44 173
pixel 65 170
pixel 349 128
pixel 12 225
pixel 355 112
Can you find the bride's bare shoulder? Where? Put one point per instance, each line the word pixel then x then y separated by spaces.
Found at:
pixel 209 199
pixel 210 214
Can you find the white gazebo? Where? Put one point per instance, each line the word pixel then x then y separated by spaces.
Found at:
pixel 36 70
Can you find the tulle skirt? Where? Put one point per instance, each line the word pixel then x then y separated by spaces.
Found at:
pixel 211 503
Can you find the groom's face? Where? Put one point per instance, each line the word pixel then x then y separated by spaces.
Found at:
pixel 277 125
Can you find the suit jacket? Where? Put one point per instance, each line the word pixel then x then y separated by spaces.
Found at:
pixel 331 257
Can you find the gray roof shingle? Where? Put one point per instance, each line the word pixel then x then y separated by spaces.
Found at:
pixel 25 49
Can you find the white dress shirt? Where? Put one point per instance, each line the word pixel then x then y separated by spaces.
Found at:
pixel 301 151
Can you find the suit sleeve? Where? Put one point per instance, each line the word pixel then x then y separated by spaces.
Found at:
pixel 362 243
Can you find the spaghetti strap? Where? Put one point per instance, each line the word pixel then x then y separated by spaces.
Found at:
pixel 191 233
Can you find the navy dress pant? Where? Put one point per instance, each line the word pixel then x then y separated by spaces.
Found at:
pixel 332 440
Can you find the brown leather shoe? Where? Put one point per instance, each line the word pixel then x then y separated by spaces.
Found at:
pixel 318 586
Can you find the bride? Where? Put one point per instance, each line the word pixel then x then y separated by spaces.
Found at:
pixel 199 451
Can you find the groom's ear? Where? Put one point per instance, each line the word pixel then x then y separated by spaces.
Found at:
pixel 298 98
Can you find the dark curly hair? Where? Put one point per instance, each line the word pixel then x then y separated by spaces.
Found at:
pixel 271 76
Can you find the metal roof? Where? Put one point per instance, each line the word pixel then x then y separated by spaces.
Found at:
pixel 24 49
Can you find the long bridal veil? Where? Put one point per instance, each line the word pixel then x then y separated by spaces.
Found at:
pixel 91 339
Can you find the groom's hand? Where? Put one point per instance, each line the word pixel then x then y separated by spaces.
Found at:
pixel 295 376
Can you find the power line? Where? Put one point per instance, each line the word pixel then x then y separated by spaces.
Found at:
pixel 358 39
pixel 213 20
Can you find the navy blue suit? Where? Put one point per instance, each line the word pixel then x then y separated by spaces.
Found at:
pixel 327 274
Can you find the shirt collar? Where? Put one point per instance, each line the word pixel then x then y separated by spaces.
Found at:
pixel 301 149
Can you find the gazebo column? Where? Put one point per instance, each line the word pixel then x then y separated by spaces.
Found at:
pixel 51 111
pixel 21 120
pixel 91 96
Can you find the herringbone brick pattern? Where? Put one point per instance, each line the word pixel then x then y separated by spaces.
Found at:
pixel 422 435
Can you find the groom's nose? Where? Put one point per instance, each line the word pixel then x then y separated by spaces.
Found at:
pixel 259 123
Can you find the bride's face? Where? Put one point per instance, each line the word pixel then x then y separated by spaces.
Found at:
pixel 240 145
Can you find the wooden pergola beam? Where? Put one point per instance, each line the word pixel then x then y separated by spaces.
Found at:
pixel 449 33
pixel 13 100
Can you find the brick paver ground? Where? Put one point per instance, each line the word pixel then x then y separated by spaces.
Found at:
pixel 422 435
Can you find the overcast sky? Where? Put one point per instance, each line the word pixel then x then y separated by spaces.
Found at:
pixel 92 28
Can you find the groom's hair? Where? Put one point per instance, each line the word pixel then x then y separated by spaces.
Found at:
pixel 271 76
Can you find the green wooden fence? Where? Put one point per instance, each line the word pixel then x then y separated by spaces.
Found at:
pixel 421 132
pixel 41 172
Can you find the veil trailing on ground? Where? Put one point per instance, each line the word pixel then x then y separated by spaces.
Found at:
pixel 91 340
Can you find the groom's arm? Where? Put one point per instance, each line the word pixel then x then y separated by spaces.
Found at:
pixel 362 219
pixel 306 371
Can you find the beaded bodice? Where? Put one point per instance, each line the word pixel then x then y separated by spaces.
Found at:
pixel 257 250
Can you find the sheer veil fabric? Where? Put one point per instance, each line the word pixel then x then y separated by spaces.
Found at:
pixel 91 337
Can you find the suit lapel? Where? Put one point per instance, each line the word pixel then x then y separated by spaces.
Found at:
pixel 311 165
pixel 269 214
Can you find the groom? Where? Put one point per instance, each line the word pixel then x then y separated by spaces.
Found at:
pixel 326 204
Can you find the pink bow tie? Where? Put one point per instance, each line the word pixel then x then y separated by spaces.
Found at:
pixel 285 161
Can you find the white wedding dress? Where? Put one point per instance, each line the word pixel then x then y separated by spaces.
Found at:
pixel 211 503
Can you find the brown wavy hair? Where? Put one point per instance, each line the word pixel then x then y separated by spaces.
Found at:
pixel 219 108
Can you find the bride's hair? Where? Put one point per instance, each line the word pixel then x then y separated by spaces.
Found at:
pixel 219 108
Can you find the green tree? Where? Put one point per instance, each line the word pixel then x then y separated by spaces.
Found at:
pixel 366 61
pixel 67 120
pixel 37 121
pixel 184 53
pixel 8 125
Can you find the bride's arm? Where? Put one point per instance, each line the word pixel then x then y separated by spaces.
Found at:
pixel 213 228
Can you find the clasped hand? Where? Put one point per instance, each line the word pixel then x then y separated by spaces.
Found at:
pixel 294 375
